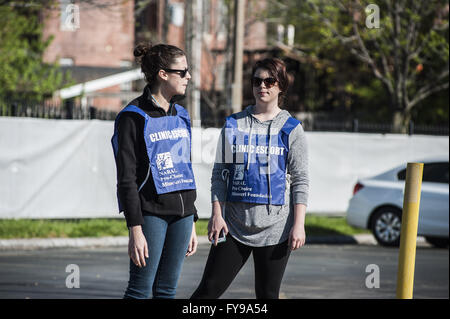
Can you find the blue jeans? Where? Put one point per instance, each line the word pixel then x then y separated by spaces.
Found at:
pixel 167 240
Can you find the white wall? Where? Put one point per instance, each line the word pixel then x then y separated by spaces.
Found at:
pixel 65 168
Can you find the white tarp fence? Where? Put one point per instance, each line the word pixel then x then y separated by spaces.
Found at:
pixel 66 169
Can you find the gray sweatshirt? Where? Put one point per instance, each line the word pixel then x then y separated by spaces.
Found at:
pixel 261 225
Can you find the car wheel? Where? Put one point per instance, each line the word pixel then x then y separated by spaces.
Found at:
pixel 438 242
pixel 386 226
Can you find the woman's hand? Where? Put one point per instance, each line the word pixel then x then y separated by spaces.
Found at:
pixel 216 223
pixel 193 243
pixel 297 236
pixel 137 246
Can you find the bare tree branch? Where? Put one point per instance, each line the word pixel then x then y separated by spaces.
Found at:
pixel 425 94
pixel 365 57
pixel 410 42
pixel 387 73
pixel 429 89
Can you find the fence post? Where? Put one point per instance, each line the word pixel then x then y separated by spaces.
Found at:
pixel 14 109
pixel 92 112
pixel 69 109
pixel 411 128
pixel 355 125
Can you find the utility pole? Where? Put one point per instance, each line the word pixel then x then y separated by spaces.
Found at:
pixel 166 21
pixel 236 100
pixel 194 53
pixel 197 61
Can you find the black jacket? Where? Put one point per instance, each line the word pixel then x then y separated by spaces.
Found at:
pixel 132 168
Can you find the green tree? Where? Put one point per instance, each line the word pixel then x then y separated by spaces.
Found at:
pixel 23 74
pixel 407 52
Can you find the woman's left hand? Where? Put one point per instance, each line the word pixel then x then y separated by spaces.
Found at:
pixel 297 236
pixel 193 242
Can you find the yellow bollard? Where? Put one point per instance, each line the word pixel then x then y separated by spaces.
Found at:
pixel 408 235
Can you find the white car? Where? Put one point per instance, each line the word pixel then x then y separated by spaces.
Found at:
pixel 377 204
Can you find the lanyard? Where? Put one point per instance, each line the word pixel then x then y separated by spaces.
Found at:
pixel 156 102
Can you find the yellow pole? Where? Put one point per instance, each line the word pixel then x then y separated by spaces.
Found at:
pixel 408 235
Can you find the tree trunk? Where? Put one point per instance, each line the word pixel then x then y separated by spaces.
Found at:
pixel 400 119
pixel 401 116
pixel 399 122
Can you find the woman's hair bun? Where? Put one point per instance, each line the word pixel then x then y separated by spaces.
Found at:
pixel 142 49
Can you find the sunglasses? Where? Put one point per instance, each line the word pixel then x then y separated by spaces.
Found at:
pixel 182 73
pixel 268 82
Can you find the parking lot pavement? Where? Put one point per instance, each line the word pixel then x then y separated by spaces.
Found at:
pixel 313 272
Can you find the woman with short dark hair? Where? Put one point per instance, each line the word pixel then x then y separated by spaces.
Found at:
pixel 155 183
pixel 259 189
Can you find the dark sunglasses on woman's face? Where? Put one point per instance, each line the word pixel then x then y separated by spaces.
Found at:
pixel 182 73
pixel 268 82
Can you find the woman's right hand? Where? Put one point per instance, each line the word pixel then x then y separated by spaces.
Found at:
pixel 137 246
pixel 216 223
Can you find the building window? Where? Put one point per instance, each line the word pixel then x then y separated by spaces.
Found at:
pixel 177 14
pixel 66 61
pixel 125 64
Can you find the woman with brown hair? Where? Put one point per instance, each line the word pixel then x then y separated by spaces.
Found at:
pixel 155 183
pixel 259 189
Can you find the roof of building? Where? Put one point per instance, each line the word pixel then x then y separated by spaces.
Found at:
pixel 83 74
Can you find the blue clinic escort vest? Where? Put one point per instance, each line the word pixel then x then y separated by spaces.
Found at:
pixel 168 144
pixel 253 157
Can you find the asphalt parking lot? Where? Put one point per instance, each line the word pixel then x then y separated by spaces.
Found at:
pixel 314 272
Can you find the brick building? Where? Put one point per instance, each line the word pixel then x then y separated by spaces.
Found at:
pixel 93 42
pixel 100 44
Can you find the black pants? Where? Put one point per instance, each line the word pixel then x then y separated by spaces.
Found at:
pixel 227 258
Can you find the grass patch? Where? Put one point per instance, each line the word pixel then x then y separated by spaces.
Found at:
pixel 201 227
pixel 326 225
pixel 99 227
pixel 64 228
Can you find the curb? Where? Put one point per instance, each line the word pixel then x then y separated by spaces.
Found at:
pixel 81 242
pixel 44 243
